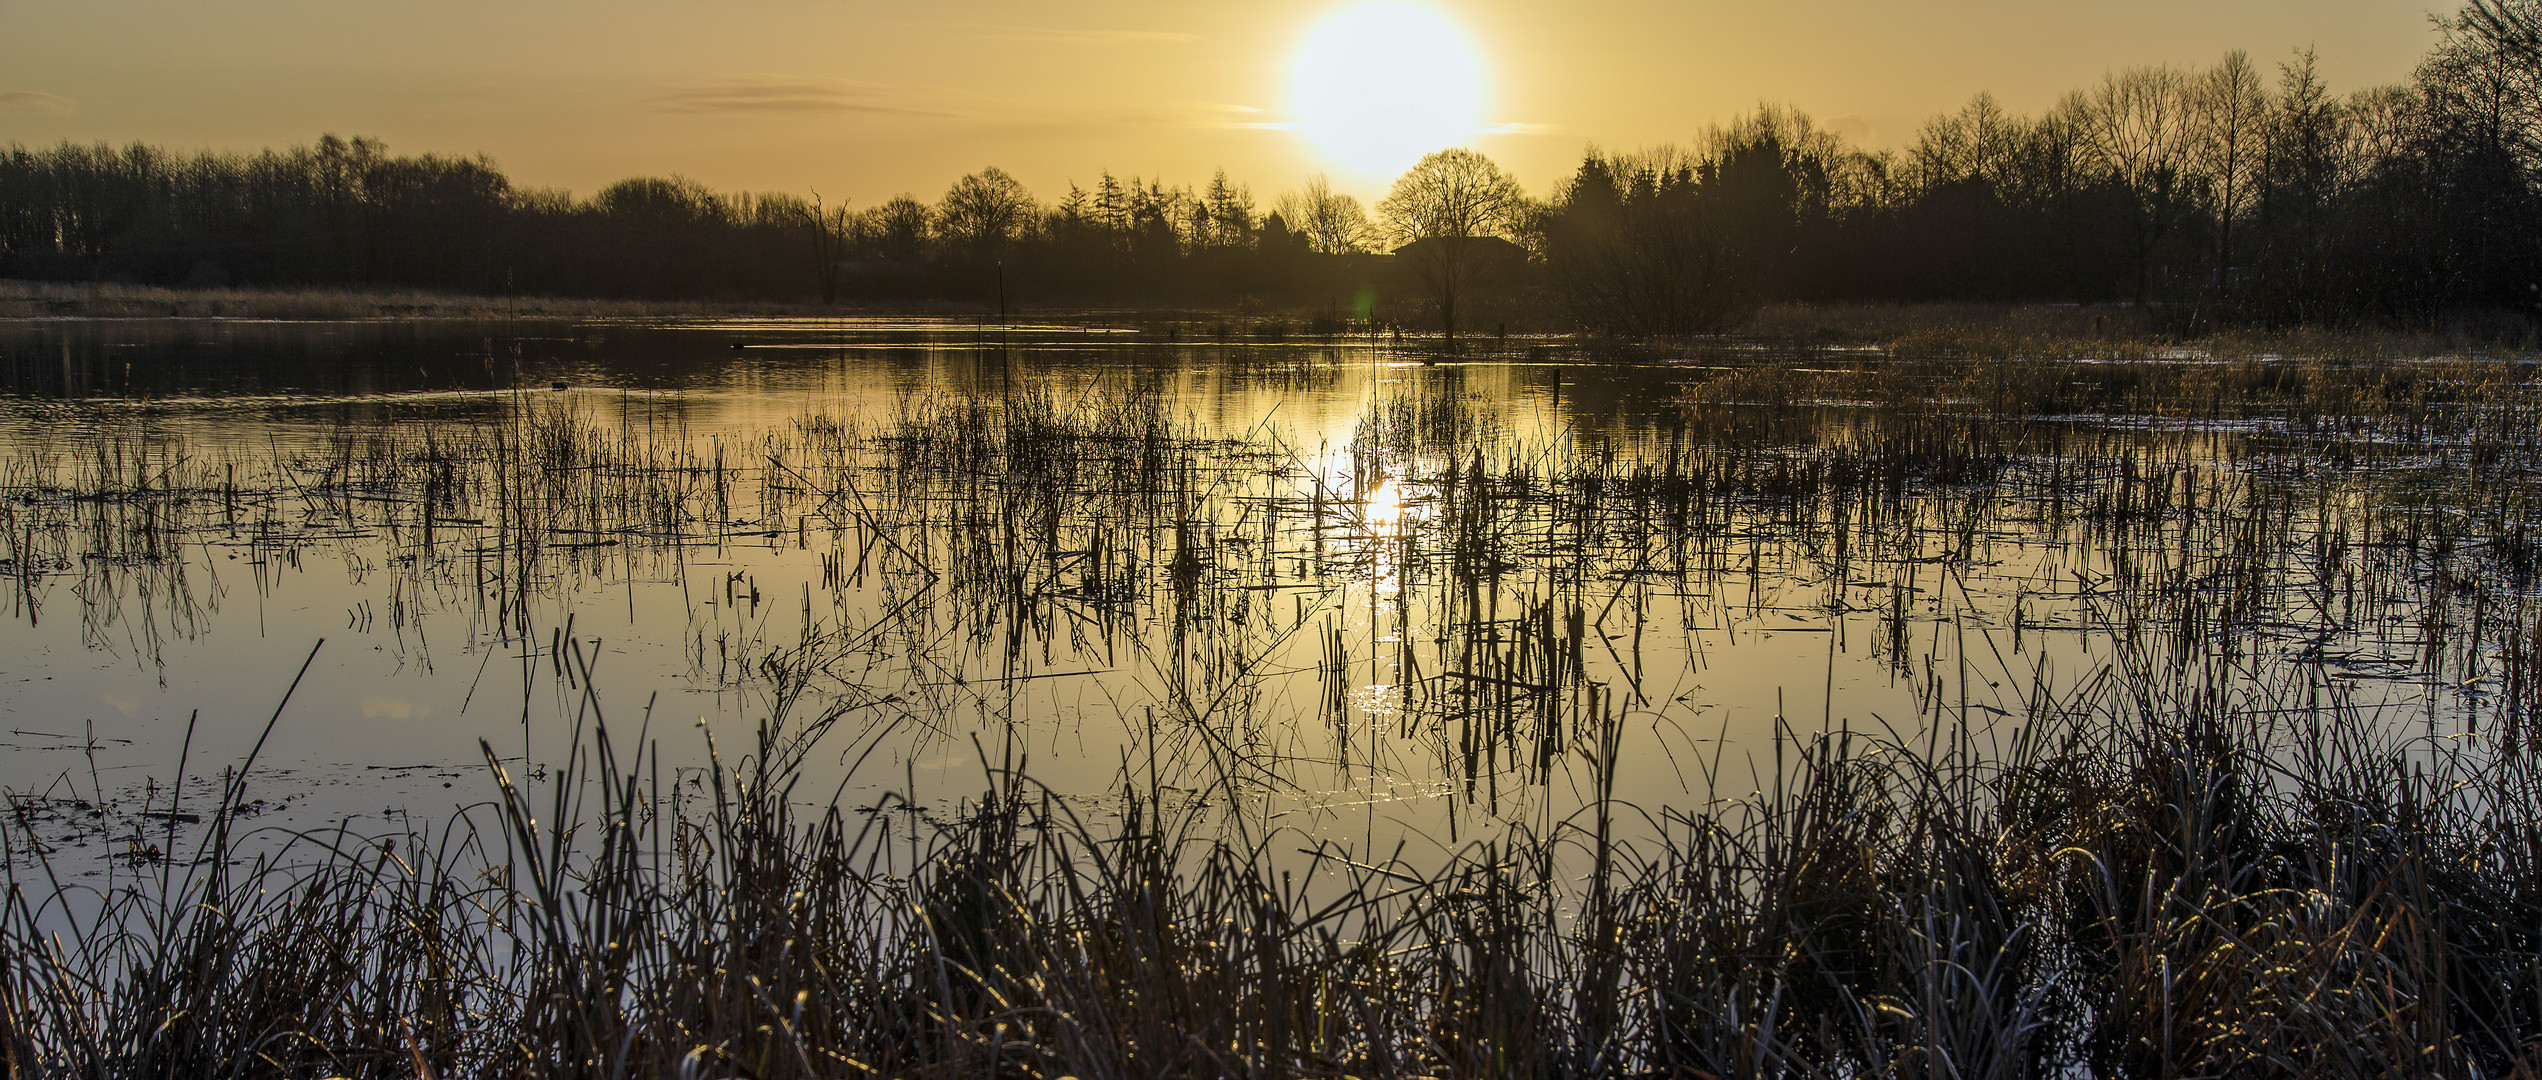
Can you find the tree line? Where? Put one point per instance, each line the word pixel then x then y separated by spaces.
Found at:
pixel 2241 191
pixel 2230 193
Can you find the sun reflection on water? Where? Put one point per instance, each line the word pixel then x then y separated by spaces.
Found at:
pixel 1384 508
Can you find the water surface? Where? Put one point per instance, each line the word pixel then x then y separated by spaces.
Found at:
pixel 1344 586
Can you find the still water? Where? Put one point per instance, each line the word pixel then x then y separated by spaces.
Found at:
pixel 1351 590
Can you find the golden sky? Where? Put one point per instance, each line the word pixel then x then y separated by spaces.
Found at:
pixel 862 98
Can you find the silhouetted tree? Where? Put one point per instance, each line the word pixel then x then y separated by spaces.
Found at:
pixel 1277 238
pixel 1781 185
pixel 1635 244
pixel 2233 108
pixel 2489 68
pixel 1224 214
pixel 2137 130
pixel 2482 143
pixel 1450 217
pixel 2300 177
pixel 983 213
pixel 1111 204
pixel 1332 223
pixel 827 229
pixel 900 228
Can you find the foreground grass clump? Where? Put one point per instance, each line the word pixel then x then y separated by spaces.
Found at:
pixel 2153 878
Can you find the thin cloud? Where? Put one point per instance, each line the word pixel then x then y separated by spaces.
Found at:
pixel 1201 116
pixel 33 101
pixel 785 94
pixel 1488 129
pixel 1048 35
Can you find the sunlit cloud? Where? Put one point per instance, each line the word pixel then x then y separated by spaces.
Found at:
pixel 33 101
pixel 786 94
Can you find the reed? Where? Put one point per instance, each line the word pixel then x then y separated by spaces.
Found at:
pixel 2144 879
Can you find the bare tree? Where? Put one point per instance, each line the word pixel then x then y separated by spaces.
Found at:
pixel 2511 30
pixel 2374 128
pixel 2232 113
pixel 985 211
pixel 899 228
pixel 668 199
pixel 2485 76
pixel 1333 223
pixel 2135 130
pixel 2514 26
pixel 2303 135
pixel 1450 218
pixel 1977 143
pixel 828 230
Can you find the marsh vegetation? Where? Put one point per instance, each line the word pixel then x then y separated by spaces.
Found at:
pixel 1122 706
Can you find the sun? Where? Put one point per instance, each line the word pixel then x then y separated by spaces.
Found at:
pixel 1377 85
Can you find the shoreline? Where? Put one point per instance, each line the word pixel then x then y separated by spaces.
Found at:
pixel 1977 331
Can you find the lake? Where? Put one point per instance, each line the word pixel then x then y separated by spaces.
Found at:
pixel 1347 587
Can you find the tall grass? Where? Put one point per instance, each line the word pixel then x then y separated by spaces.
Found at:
pixel 2152 877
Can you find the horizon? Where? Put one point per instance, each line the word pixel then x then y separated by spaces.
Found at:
pixel 774 102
